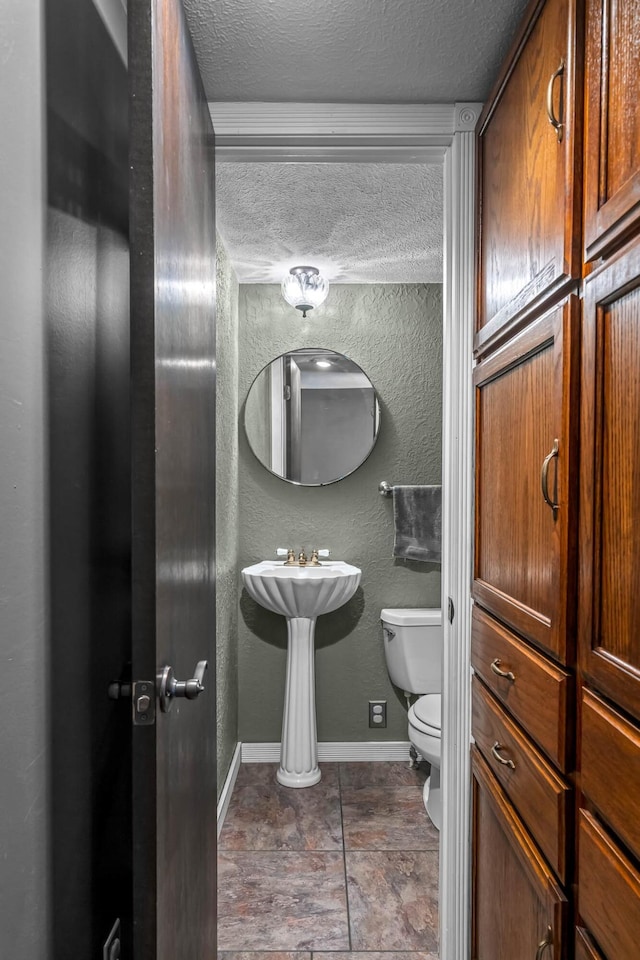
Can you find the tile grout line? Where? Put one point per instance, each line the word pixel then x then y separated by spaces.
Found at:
pixel 344 859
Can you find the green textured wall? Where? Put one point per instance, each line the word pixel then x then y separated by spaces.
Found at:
pixel 394 331
pixel 227 534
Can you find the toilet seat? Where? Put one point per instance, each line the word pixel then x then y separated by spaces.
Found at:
pixel 425 714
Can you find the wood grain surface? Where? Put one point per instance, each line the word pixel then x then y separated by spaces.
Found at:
pixel 540 695
pixel 609 615
pixel 524 554
pixel 538 793
pixel 608 891
pixel 530 183
pixel 612 125
pixel 610 766
pixel 515 895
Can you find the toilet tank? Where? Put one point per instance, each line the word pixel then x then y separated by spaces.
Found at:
pixel 413 641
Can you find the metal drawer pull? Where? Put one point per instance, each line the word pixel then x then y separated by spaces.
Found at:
pixel 544 478
pixel 506 763
pixel 557 124
pixel 506 674
pixel 547 942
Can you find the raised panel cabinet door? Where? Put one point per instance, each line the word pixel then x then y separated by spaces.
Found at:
pixel 530 173
pixel 612 124
pixel 608 891
pixel 609 555
pixel 526 480
pixel 518 909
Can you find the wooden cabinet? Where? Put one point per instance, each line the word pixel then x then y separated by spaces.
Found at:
pixel 612 125
pixel 529 172
pixel 518 906
pixel 525 480
pixel 556 624
pixel 609 614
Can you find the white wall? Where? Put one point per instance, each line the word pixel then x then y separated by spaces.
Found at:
pixel 24 748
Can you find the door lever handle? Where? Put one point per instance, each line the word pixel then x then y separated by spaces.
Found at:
pixel 169 688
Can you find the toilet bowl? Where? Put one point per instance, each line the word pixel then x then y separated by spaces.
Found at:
pixel 413 651
pixel 425 735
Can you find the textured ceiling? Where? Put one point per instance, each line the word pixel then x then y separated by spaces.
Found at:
pixel 367 51
pixel 358 223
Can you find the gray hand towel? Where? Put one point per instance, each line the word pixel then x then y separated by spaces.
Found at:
pixel 417 515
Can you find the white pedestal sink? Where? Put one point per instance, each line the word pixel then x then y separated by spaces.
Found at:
pixel 301 594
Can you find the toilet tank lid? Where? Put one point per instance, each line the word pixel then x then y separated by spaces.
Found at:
pixel 412 617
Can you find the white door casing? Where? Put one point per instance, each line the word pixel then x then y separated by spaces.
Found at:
pixel 415 133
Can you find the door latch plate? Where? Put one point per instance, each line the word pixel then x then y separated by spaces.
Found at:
pixel 143 703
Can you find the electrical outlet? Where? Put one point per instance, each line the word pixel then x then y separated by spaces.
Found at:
pixel 377 713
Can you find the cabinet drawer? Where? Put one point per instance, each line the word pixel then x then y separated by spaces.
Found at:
pixel 538 793
pixel 608 891
pixel 610 767
pixel 585 948
pixel 539 694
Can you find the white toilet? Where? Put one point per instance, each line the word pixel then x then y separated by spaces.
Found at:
pixel 413 641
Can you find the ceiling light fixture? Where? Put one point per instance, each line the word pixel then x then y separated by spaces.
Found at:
pixel 304 288
pixel 325 364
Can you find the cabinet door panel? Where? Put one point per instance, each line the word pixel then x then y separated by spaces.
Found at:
pixel 524 548
pixel 530 175
pixel 610 753
pixel 608 891
pixel 517 904
pixel 612 129
pixel 609 627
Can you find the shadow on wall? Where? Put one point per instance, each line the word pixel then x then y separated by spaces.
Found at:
pixel 330 627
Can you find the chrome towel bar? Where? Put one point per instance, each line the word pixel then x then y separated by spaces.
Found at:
pixel 385 489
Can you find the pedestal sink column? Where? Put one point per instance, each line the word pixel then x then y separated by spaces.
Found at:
pixel 299 746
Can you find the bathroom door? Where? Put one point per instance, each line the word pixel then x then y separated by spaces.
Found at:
pixel 172 239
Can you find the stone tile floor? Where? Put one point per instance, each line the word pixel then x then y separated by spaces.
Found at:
pixel 344 870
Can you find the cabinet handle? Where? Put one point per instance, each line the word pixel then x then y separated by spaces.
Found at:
pixel 547 942
pixel 544 478
pixel 507 674
pixel 557 124
pixel 495 752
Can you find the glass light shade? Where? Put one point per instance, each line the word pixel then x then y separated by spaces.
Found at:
pixel 304 288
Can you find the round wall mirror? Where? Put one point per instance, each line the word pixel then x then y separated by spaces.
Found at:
pixel 312 416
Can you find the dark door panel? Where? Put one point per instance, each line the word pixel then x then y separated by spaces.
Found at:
pixel 173 423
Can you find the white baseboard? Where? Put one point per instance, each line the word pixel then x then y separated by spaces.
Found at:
pixel 333 752
pixel 229 783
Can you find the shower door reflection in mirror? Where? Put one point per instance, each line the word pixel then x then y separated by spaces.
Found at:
pixel 312 416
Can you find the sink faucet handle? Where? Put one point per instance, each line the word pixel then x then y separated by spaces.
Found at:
pixel 289 554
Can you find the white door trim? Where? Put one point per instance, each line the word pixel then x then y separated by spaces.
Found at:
pixel 457 533
pixel 442 133
pixel 332 132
